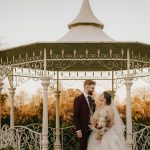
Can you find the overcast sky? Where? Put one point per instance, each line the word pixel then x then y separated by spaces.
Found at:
pixel 29 21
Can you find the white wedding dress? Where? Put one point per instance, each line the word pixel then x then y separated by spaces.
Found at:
pixel 113 139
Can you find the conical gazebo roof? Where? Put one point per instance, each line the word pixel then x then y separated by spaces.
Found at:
pixel 85 47
pixel 86 16
pixel 85 27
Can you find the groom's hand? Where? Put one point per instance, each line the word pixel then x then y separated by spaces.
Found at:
pixel 79 134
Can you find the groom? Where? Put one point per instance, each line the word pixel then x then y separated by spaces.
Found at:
pixel 84 106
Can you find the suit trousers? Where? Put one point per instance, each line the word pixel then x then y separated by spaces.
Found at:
pixel 84 141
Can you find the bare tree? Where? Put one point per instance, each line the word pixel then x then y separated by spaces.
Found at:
pixel 3 42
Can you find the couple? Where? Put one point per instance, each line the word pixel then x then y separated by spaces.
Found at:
pixel 108 131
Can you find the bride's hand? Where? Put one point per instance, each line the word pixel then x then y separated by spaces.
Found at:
pixel 106 129
pixel 103 130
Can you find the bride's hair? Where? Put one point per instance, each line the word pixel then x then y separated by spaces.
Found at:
pixel 108 97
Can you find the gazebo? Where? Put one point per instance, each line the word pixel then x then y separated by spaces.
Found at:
pixel 85 48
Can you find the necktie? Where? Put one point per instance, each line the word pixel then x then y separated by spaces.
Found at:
pixel 90 102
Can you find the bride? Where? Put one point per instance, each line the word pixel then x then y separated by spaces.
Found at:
pixel 111 136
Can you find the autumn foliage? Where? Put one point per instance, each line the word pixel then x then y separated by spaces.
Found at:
pixel 29 110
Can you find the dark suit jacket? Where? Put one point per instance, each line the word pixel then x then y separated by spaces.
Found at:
pixel 81 113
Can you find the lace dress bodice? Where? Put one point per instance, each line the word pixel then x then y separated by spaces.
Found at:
pixel 101 112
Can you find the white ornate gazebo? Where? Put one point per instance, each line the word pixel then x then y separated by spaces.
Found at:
pixel 85 49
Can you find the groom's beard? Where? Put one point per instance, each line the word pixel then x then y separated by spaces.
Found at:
pixel 90 93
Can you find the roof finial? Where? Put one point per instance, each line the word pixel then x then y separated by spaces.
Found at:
pixel 86 17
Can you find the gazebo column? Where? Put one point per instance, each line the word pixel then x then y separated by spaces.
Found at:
pixel 11 94
pixel 57 145
pixel 1 84
pixel 45 84
pixel 128 84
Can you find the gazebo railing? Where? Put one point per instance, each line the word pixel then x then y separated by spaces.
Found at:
pixel 20 138
pixel 137 127
pixel 141 138
pixel 69 142
pixel 67 137
pixel 29 137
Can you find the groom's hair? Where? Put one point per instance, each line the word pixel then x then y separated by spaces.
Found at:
pixel 89 82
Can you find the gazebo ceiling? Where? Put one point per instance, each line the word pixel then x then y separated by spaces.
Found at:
pixel 79 56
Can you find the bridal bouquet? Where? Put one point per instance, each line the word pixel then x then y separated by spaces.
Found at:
pixel 99 124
